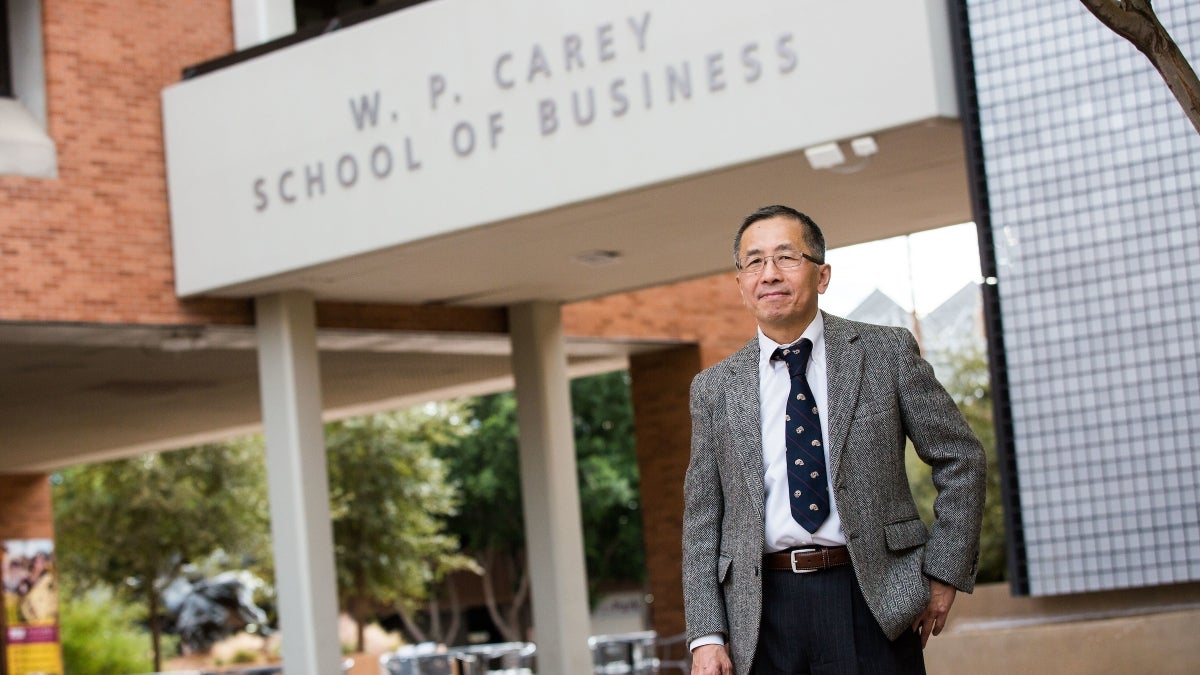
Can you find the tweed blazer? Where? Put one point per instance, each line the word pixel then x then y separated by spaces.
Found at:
pixel 880 392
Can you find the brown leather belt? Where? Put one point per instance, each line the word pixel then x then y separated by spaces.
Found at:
pixel 807 558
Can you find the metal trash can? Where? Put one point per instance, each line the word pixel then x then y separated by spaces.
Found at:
pixel 426 658
pixel 624 653
pixel 500 658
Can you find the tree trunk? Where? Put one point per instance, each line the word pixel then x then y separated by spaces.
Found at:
pixel 1136 21
pixel 360 641
pixel 516 610
pixel 155 630
pixel 489 597
pixel 455 612
pixel 414 631
pixel 360 610
pixel 435 617
pixel 359 615
pixel 511 623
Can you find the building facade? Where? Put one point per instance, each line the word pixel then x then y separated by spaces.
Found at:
pixel 182 233
pixel 1091 185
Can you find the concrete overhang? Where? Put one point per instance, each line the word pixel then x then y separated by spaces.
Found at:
pixel 655 235
pixel 86 393
pixel 556 155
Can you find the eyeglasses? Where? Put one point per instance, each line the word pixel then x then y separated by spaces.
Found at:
pixel 784 261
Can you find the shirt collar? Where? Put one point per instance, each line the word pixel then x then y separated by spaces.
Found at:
pixel 814 332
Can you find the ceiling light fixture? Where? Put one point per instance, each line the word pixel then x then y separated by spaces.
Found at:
pixel 184 340
pixel 830 155
pixel 864 146
pixel 825 156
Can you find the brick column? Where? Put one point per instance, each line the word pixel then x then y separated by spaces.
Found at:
pixel 660 382
pixel 25 508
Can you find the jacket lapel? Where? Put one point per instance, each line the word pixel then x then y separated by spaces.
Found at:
pixel 844 372
pixel 745 427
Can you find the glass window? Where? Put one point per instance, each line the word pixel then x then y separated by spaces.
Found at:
pixel 6 87
pixel 314 13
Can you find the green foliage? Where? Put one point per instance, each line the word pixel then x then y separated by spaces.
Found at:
pixel 390 499
pixel 131 524
pixel 609 491
pixel 102 635
pixel 244 656
pixel 970 386
pixel 158 511
pixel 485 462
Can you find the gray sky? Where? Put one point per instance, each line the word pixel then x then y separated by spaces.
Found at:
pixel 943 261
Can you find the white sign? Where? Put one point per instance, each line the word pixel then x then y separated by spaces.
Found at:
pixel 455 114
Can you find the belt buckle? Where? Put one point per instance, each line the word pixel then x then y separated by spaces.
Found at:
pixel 805 549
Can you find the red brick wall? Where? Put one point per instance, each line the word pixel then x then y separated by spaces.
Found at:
pixel 25 507
pixel 94 244
pixel 663 430
pixel 408 317
pixel 707 311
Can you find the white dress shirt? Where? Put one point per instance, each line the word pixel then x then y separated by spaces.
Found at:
pixel 774 386
pixel 781 531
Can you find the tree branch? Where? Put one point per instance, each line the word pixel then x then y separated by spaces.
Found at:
pixel 414 631
pixel 1136 21
pixel 519 597
pixel 489 597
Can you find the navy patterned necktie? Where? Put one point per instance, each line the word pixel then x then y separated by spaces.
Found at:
pixel 805 448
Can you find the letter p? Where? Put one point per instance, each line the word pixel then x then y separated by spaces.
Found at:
pixel 437 87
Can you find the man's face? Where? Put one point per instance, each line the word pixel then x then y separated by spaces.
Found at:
pixel 784 301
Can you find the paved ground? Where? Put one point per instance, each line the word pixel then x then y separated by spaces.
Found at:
pixel 1146 631
pixel 1153 630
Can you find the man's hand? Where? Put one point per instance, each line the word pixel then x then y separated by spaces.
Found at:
pixel 711 660
pixel 933 619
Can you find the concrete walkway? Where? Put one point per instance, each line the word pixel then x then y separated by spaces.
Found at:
pixel 1152 630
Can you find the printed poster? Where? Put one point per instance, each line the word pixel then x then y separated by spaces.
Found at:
pixel 31 643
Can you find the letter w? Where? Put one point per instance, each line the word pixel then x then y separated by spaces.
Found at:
pixel 366 110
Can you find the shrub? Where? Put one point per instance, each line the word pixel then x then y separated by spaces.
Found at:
pixel 244 656
pixel 102 635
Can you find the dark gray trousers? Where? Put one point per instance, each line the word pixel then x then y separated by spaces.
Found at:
pixel 819 624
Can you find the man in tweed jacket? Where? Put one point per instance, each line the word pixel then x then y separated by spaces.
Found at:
pixel 863 592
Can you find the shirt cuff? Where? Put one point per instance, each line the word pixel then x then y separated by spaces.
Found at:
pixel 710 639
